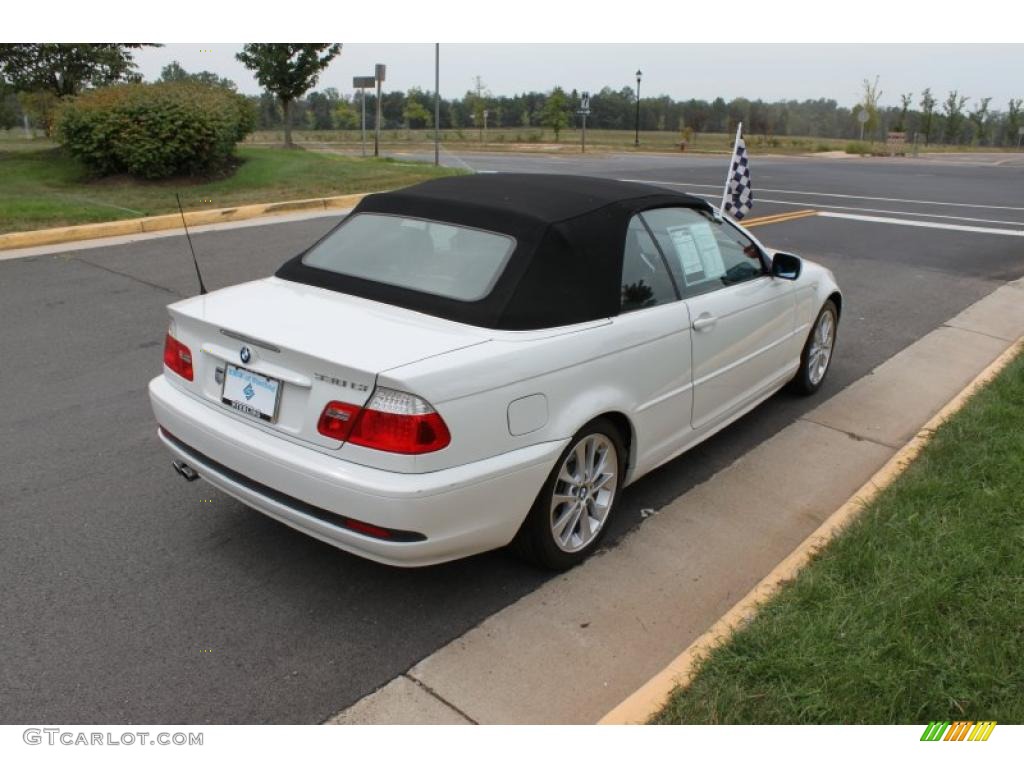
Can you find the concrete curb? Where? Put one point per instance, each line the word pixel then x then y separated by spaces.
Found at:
pixel 647 700
pixel 145 224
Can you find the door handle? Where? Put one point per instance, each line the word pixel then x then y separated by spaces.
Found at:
pixel 705 322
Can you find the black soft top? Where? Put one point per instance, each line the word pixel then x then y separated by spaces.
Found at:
pixel 570 234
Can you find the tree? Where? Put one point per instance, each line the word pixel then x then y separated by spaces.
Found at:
pixel 320 115
pixel 346 115
pixel 477 102
pixel 41 108
pixel 555 113
pixel 905 99
pixel 869 103
pixel 1013 120
pixel 10 109
pixel 927 113
pixel 175 73
pixel 978 119
pixel 415 114
pixel 288 70
pixel 953 109
pixel 64 69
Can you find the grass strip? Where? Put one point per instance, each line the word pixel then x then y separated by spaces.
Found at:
pixel 914 613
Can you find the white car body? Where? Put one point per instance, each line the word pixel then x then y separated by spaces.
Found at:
pixel 511 399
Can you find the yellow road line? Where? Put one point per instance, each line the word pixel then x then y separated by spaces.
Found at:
pixel 778 218
pixel 648 700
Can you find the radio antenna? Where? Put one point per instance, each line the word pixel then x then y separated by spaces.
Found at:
pixel 202 288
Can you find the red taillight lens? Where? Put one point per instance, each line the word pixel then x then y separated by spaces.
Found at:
pixel 398 433
pixel 337 419
pixel 178 357
pixel 391 421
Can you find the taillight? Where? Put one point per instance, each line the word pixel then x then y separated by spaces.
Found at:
pixel 391 421
pixel 337 419
pixel 178 357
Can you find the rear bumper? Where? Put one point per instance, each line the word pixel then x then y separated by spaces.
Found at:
pixel 458 512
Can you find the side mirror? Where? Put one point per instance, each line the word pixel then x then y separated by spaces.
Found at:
pixel 786 266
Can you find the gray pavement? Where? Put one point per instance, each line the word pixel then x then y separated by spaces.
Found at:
pixel 130 596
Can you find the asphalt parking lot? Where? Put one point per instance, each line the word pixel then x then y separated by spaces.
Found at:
pixel 131 596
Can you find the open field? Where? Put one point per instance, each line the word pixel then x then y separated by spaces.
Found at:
pixel 42 187
pixel 543 140
pixel 913 614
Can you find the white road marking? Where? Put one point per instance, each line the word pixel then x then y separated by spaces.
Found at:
pixel 874 210
pixel 919 223
pixel 836 194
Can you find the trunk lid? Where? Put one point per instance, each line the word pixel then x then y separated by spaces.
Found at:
pixel 318 346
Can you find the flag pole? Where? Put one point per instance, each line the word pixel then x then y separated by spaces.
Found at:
pixel 728 170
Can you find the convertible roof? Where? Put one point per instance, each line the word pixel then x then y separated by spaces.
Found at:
pixel 570 234
pixel 544 198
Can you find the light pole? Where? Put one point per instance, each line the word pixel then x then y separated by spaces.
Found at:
pixel 437 103
pixel 378 75
pixel 636 141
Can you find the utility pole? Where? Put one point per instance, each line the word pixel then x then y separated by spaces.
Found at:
pixel 378 75
pixel 437 103
pixel 636 142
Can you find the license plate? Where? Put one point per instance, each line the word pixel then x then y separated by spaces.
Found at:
pixel 251 393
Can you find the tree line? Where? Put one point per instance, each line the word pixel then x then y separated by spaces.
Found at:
pixel 952 119
pixel 34 78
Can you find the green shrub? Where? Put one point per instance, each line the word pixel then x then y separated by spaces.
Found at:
pixel 157 130
pixel 858 148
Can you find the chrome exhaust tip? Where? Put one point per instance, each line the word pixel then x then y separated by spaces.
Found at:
pixel 185 470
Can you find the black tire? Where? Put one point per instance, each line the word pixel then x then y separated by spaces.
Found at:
pixel 535 541
pixel 803 383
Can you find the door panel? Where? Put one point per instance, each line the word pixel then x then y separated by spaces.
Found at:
pixel 744 351
pixel 741 318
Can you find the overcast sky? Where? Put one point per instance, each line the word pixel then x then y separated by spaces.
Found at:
pixel 683 71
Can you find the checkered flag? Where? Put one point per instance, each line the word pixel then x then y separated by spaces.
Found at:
pixel 739 193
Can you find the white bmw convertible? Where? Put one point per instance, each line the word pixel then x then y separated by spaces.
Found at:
pixel 486 360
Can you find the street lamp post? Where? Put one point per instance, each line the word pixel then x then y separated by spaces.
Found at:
pixel 378 74
pixel 636 141
pixel 437 103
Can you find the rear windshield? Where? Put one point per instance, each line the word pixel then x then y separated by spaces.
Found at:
pixel 443 259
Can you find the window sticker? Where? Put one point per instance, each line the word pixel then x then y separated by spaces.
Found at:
pixel 707 245
pixel 698 252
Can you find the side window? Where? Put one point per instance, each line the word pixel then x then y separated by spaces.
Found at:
pixel 645 280
pixel 704 254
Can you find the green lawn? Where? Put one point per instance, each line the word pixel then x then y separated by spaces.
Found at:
pixel 42 187
pixel 915 613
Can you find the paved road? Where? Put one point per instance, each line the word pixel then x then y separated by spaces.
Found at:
pixel 131 596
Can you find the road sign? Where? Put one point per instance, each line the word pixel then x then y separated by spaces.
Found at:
pixel 863 116
pixel 364 82
pixel 584 102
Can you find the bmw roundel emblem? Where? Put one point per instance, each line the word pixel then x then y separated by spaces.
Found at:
pixel 246 354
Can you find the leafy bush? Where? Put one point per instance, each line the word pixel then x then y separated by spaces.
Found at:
pixel 858 148
pixel 155 130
